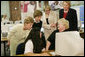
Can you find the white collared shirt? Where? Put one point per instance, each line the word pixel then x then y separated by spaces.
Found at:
pixel 28 47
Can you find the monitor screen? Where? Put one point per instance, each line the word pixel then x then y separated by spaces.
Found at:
pixel 69 44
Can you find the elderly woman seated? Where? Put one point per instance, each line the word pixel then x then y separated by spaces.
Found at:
pixel 63 25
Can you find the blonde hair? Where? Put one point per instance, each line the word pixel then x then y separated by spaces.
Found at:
pixel 68 2
pixel 37 13
pixel 28 20
pixel 64 22
pixel 47 7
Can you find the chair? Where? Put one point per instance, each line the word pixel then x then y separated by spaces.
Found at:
pixel 20 49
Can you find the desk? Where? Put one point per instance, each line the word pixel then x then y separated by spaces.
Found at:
pixel 45 52
pixel 4 40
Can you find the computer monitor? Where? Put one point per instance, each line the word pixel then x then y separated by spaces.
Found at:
pixel 69 44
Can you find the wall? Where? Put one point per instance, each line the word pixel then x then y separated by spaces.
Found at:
pixel 5 8
pixel 77 3
pixel 77 6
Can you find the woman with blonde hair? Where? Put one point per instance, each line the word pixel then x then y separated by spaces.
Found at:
pixel 49 19
pixel 18 34
pixel 63 25
pixel 69 14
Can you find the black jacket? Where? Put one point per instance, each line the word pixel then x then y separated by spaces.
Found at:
pixel 52 37
pixel 71 17
pixel 39 25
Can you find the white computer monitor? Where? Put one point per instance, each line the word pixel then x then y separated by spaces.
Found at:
pixel 69 44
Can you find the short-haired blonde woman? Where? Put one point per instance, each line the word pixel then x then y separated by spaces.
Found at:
pixel 63 25
pixel 69 14
pixel 49 19
pixel 18 34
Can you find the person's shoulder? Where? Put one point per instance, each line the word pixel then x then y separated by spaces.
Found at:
pixel 71 9
pixel 61 9
pixel 18 25
pixel 56 30
pixel 40 21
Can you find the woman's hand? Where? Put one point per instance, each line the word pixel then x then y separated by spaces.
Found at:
pixel 8 43
pixel 43 49
pixel 45 54
pixel 48 45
